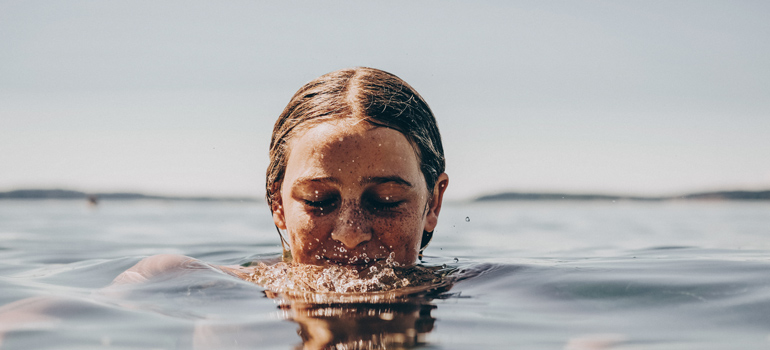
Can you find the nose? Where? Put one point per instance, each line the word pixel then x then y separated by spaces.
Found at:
pixel 352 227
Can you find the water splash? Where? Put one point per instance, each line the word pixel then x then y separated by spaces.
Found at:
pixel 383 280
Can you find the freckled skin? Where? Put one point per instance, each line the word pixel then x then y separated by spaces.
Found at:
pixel 354 193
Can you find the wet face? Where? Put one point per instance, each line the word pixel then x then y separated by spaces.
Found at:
pixel 353 194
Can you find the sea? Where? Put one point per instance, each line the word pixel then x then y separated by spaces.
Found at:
pixel 514 275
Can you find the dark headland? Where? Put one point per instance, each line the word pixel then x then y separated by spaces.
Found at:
pixel 712 196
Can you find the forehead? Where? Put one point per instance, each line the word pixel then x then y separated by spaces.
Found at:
pixel 352 145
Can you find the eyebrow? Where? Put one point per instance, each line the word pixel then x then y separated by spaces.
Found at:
pixel 365 181
pixel 323 179
pixel 385 179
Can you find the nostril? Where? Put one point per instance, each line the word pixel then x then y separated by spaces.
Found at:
pixel 350 236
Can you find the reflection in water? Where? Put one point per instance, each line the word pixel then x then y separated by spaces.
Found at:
pixel 361 325
pixel 383 307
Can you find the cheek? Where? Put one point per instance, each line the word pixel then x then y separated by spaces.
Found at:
pixel 305 232
pixel 403 232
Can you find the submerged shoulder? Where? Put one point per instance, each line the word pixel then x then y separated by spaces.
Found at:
pixel 154 266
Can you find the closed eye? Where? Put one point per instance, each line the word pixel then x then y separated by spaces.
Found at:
pixel 322 203
pixel 380 204
pixel 386 205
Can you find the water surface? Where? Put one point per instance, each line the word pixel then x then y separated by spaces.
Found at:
pixel 547 275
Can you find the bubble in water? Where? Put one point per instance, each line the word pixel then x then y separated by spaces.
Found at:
pixel 467 219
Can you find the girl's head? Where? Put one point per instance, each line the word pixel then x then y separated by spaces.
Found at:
pixel 356 169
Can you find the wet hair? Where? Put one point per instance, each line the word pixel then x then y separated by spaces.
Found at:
pixel 375 96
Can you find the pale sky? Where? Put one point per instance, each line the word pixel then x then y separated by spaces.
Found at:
pixel 179 97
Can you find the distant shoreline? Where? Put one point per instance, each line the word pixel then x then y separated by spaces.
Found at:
pixel 61 194
pixel 698 196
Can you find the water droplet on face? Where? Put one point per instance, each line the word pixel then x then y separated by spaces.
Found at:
pixel 467 219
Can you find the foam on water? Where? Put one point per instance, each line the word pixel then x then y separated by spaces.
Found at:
pixel 383 281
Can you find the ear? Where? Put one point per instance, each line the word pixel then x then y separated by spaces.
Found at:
pixel 434 204
pixel 277 208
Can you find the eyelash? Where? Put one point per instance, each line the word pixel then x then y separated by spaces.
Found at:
pixel 320 204
pixel 383 206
